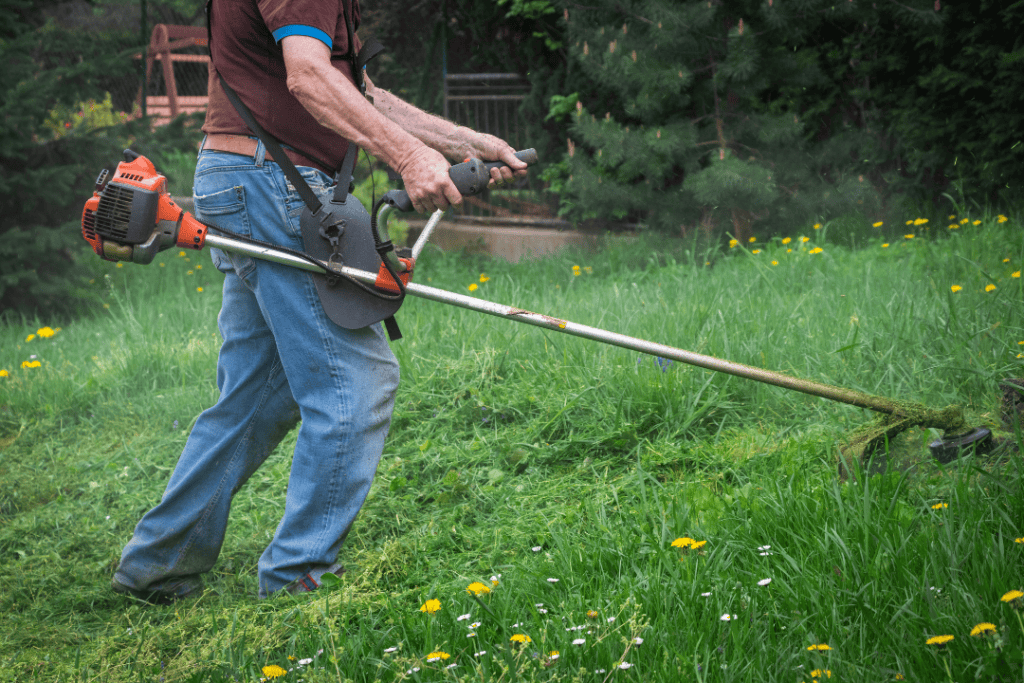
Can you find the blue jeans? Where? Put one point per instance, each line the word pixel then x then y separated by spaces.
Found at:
pixel 281 360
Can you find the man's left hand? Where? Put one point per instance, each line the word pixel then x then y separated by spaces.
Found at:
pixel 490 148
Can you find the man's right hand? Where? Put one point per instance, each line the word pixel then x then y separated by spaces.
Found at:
pixel 425 174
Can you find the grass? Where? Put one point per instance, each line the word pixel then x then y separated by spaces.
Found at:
pixel 518 456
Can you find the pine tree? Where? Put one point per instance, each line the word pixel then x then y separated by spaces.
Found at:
pixel 690 113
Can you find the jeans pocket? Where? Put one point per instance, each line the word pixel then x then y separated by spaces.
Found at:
pixel 225 209
pixel 318 182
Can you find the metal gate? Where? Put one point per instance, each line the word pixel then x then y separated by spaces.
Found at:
pixel 490 103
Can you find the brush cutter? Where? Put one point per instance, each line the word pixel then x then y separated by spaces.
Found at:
pixel 131 218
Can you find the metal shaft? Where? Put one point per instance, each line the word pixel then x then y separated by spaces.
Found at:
pixel 833 393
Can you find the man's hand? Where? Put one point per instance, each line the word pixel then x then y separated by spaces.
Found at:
pixel 425 174
pixel 490 148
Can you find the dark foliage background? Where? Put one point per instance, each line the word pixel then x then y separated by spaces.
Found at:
pixel 813 110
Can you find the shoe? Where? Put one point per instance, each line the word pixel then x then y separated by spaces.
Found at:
pixel 166 593
pixel 309 582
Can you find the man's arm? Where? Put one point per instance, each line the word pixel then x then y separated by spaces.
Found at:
pixel 337 104
pixel 457 143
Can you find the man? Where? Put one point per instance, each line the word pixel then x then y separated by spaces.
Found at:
pixel 282 359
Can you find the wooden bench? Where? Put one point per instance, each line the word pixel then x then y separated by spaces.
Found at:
pixel 163 41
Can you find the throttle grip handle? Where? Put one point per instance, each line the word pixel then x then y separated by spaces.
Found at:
pixel 470 178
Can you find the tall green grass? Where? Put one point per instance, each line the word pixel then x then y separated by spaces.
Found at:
pixel 518 456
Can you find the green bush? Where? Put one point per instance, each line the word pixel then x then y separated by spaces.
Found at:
pixel 59 129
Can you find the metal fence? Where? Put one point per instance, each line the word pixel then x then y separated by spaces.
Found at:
pixel 490 103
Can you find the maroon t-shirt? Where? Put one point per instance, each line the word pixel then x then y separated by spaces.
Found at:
pixel 246 50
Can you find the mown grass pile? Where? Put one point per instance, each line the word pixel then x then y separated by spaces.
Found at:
pixel 549 508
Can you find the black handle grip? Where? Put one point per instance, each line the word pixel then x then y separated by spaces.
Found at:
pixel 470 177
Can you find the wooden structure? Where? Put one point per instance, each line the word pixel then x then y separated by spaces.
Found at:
pixel 165 39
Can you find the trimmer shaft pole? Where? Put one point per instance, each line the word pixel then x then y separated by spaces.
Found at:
pixel 833 393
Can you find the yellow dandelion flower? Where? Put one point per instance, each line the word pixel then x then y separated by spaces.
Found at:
pixel 920 221
pixel 4 373
pixel 752 239
pixel 199 289
pixel 1016 540
pixel 477 588
pixel 878 224
pixel 955 288
pixel 437 656
pixel 938 640
pixel 990 287
pixel 816 250
pixel 983 628
pixel 805 239
pixel 909 236
pixel 181 253
pixel 954 226
pixel 940 506
pixel 951 217
pixel 775 263
pixel 789 251
pixel 430 606
pixel 787 240
pixel 30 364
pixel 821 647
pixel 975 222
pixel 591 614
pixel 521 638
pixel 483 278
pixel 1011 596
pixel 46 332
pixel 965 221
pixel 910 222
pixel 119 265
pixel 756 251
pixel 576 271
pixel 818 673
pixel 885 245
pixel 30 338
pixel 1015 274
pixel 473 287
pixel 684 542
pixel 274 671
pixel 696 545
pixel 733 243
pixel 817 226
pixel 1002 219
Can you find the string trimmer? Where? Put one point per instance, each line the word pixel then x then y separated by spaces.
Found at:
pixel 131 217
